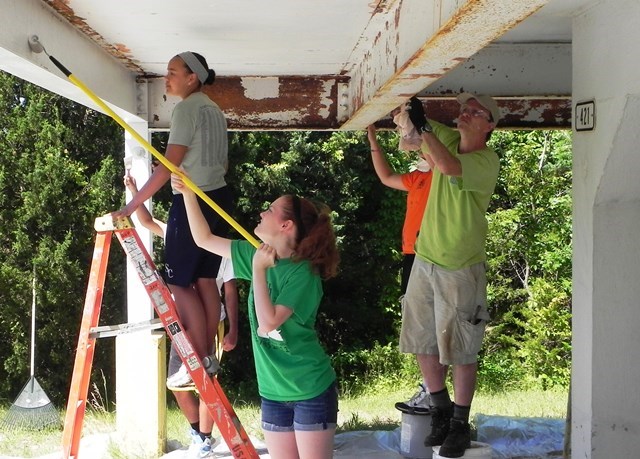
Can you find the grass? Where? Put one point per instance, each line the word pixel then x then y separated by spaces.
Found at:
pixel 371 411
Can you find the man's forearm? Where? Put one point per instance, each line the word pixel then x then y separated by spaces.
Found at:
pixel 443 160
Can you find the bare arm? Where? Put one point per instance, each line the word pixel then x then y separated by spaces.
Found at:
pixel 442 159
pixel 269 316
pixel 427 157
pixel 202 235
pixel 175 154
pixel 154 225
pixel 386 175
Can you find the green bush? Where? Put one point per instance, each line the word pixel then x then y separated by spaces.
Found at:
pixel 381 365
pixel 545 346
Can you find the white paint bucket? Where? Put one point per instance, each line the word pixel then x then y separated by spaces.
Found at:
pixel 477 451
pixel 414 429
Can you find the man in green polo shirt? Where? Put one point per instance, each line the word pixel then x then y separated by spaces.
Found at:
pixel 445 306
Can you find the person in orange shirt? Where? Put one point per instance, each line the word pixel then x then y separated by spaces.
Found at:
pixel 417 184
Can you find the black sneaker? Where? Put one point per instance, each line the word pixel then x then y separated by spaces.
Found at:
pixel 440 421
pixel 458 440
pixel 418 404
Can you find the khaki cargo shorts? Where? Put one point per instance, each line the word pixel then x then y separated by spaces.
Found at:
pixel 444 312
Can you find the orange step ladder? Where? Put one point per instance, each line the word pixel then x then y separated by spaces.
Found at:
pixel 210 391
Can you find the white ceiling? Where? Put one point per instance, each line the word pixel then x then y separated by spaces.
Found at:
pixel 275 37
pixel 344 63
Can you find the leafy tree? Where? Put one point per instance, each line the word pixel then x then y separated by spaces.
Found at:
pixel 58 172
pixel 529 254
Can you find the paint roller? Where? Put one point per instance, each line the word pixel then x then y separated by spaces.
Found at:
pixel 37 47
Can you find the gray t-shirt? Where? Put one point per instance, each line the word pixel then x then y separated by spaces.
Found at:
pixel 198 123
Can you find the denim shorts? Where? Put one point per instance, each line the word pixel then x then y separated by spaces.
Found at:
pixel 318 413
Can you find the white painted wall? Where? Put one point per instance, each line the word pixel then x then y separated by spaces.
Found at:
pixel 606 260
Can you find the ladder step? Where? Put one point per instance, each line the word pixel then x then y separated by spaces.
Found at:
pixel 107 331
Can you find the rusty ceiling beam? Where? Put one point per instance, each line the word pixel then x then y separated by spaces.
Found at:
pixel 385 78
pixel 305 103
pixel 119 51
pixel 516 113
pixel 265 103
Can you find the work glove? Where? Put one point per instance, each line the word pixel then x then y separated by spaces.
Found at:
pixel 417 116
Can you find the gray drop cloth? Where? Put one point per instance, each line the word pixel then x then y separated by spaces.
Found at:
pixel 535 438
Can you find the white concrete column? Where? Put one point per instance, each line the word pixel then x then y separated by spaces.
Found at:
pixel 140 357
pixel 141 404
pixel 139 306
pixel 606 246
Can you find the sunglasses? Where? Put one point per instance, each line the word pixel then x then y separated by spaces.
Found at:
pixel 474 112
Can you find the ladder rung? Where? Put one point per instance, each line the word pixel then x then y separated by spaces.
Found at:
pixel 107 331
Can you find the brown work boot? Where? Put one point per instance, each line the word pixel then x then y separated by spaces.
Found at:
pixel 440 421
pixel 458 440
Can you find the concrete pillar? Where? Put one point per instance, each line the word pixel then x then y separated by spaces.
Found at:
pixel 606 246
pixel 140 357
pixel 141 405
pixel 139 306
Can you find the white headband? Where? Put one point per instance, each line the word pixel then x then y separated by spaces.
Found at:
pixel 195 65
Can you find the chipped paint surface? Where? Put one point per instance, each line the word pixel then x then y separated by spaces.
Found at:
pixel 447 47
pixel 516 113
pixel 258 103
pixel 119 50
pixel 260 87
pixel 399 48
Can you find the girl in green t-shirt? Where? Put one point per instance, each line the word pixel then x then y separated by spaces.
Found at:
pixel 295 378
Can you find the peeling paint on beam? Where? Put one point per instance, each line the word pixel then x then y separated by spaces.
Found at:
pixel 516 113
pixel 472 27
pixel 119 51
pixel 535 113
pixel 484 20
pixel 270 103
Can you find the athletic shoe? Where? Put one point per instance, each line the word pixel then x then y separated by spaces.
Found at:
pixel 196 443
pixel 418 404
pixel 440 423
pixel 458 440
pixel 207 446
pixel 179 379
pixel 190 386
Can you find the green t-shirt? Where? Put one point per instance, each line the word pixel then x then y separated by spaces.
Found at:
pixel 291 364
pixel 454 226
pixel 198 123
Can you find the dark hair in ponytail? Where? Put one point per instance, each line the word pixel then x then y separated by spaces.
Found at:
pixel 315 239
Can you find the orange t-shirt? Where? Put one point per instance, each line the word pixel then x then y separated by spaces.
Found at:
pixel 418 184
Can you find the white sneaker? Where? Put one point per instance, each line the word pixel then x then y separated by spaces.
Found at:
pixel 418 404
pixel 207 446
pixel 196 443
pixel 180 378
